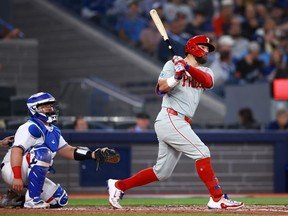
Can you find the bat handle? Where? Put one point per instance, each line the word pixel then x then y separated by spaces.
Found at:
pixel 170 47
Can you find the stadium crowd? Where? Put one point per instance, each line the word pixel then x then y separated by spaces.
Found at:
pixel 250 35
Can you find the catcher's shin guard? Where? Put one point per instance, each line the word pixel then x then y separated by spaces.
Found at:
pixel 39 165
pixel 59 198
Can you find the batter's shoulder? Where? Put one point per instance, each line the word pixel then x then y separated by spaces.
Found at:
pixel 169 64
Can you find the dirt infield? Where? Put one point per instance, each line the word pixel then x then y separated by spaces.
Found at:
pixel 153 209
pixel 248 210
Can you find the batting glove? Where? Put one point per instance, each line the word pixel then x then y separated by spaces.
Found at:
pixel 178 59
pixel 179 70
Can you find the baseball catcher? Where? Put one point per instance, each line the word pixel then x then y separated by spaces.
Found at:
pixel 36 143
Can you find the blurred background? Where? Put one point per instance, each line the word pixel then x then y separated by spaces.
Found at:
pixel 101 60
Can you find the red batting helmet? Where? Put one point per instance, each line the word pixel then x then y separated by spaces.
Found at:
pixel 192 47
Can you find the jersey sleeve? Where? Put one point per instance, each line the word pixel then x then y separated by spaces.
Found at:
pixel 167 71
pixel 23 137
pixel 62 143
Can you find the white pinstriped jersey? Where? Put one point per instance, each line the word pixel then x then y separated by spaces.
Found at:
pixel 185 96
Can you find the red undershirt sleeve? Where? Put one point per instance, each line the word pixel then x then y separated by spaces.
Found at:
pixel 200 76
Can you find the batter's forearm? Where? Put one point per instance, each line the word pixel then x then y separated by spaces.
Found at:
pixel 165 85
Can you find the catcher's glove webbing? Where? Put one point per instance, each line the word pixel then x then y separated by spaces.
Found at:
pixel 106 155
pixel 11 199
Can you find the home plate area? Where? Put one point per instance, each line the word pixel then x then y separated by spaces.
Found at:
pixel 250 209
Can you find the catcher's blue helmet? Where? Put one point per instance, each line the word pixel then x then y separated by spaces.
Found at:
pixel 38 99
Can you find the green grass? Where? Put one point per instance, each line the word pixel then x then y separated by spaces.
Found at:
pixel 175 201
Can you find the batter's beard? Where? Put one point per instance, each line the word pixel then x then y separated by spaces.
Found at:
pixel 201 60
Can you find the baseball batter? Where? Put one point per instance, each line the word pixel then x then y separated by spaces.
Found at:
pixel 35 145
pixel 182 82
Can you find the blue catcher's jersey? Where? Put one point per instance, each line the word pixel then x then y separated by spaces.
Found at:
pixel 35 133
pixel 51 138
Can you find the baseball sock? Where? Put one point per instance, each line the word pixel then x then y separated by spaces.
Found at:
pixel 143 177
pixel 207 175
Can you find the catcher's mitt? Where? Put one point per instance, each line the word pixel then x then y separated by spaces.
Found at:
pixel 106 155
pixel 11 199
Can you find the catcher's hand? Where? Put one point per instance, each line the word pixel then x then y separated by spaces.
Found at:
pixel 106 155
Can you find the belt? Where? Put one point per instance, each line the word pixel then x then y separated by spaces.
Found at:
pixel 174 112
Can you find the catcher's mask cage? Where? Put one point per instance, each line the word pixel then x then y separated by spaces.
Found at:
pixel 192 46
pixel 38 99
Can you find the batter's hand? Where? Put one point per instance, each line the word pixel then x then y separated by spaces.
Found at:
pixel 17 184
pixel 179 70
pixel 178 60
pixel 7 141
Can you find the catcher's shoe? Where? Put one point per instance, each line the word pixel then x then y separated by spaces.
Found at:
pixel 114 194
pixel 36 203
pixel 224 203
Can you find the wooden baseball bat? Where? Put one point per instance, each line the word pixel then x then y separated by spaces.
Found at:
pixel 156 19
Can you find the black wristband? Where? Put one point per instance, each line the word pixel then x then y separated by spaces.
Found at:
pixel 82 154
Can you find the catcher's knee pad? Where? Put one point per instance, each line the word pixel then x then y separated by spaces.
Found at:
pixel 41 156
pixel 39 164
pixel 59 198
